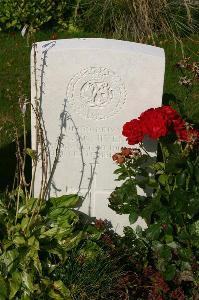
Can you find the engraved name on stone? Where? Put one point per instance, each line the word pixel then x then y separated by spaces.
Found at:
pixel 107 140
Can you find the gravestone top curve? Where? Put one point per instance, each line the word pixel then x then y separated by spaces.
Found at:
pixel 108 44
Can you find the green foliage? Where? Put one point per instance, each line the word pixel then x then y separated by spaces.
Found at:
pixel 170 208
pixel 35 240
pixel 16 14
pixel 47 252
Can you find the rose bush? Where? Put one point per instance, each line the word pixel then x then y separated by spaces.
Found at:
pixel 169 203
pixel 156 123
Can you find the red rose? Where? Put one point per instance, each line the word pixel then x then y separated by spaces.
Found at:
pixel 168 113
pixel 183 135
pixel 153 123
pixel 133 131
pixel 179 125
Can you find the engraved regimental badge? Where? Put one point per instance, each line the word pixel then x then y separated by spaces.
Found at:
pixel 96 93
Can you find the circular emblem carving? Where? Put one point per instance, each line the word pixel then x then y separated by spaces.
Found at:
pixel 96 93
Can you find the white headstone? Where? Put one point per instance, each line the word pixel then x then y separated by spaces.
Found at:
pixel 89 88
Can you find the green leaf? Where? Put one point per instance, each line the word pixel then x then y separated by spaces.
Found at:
pixel 163 178
pixel 165 253
pixel 29 206
pixel 3 288
pixel 53 232
pixel 169 274
pixel 158 166
pixel 181 179
pixel 90 250
pixel 133 217
pixel 55 296
pixel 154 231
pixel 63 290
pixel 63 215
pixel 27 280
pixel 33 242
pixel 9 257
pixel 174 164
pixel 25 296
pixel 15 284
pixel 24 222
pixel 139 230
pixel 69 201
pixel 19 240
pixel 152 183
pixel 37 263
pixel 183 236
pixel 147 212
pixel 72 242
pixel 93 232
pixel 193 206
pixel 173 245
pixel 156 246
pixel 168 238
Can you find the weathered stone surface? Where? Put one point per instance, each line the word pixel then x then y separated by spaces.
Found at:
pixel 89 88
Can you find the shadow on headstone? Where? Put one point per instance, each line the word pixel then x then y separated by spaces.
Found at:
pixel 8 164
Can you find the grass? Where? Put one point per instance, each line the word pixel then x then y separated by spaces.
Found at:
pixel 139 20
pixel 15 83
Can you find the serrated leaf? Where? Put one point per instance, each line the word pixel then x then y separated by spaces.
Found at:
pixel 139 230
pixel 133 217
pixel 153 232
